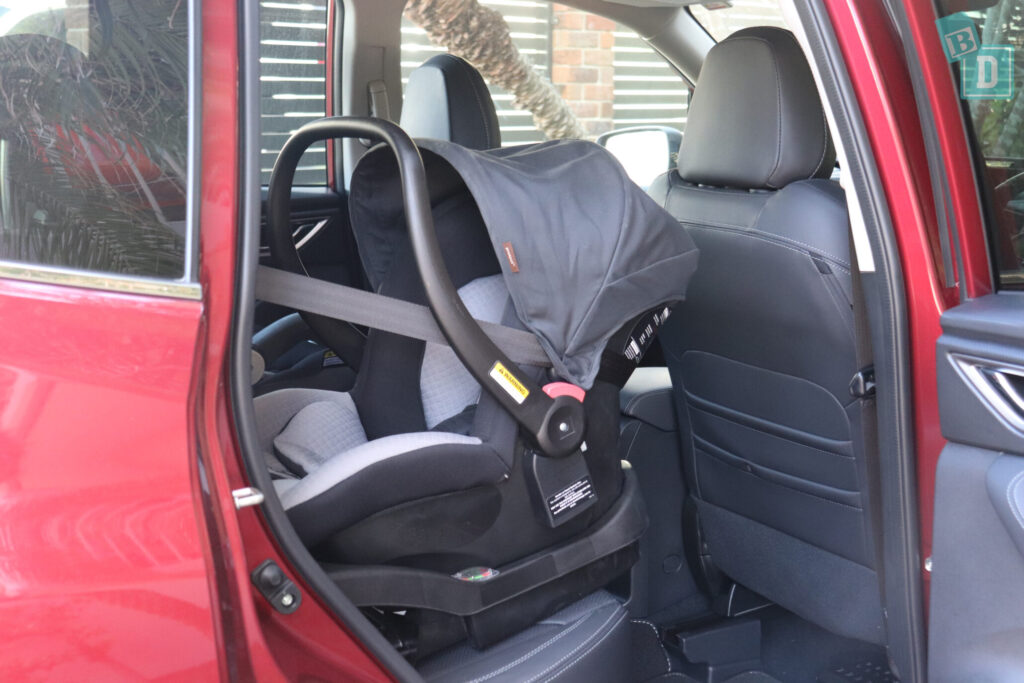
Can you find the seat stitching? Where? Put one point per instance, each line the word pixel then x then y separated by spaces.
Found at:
pixel 634 403
pixel 531 653
pixel 668 662
pixel 777 240
pixel 824 146
pixel 629 448
pixel 593 646
pixel 758 429
pixel 817 250
pixel 785 375
pixel 1011 497
pixel 813 248
pixel 842 306
pixel 778 106
pixel 483 114
pixel 766 480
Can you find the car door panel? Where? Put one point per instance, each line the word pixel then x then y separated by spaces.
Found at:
pixel 976 624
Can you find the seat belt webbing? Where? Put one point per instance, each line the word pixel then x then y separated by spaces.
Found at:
pixel 381 312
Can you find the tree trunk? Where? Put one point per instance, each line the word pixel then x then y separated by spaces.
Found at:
pixel 480 36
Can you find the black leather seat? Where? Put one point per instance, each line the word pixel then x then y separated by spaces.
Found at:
pixel 447 99
pixel 762 351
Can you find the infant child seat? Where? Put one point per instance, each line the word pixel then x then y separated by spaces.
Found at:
pixel 468 511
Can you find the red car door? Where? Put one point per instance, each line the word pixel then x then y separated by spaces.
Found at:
pixel 970 56
pixel 104 562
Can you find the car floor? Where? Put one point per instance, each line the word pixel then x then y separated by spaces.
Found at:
pixel 792 651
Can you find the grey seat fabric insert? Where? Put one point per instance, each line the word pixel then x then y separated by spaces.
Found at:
pixel 344 464
pixel 318 431
pixel 446 386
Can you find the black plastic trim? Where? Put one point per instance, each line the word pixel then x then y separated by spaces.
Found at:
pixel 381 586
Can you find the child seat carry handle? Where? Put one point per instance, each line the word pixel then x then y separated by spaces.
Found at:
pixel 557 424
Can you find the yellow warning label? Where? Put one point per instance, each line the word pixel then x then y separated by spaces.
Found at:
pixel 507 381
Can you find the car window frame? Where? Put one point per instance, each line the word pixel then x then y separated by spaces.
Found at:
pixel 186 286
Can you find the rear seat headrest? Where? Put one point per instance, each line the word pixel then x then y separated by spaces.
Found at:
pixel 755 119
pixel 447 99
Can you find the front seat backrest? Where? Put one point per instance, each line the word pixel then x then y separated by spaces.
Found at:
pixel 447 99
pixel 762 351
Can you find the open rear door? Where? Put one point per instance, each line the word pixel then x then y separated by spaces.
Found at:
pixel 977 620
pixel 969 53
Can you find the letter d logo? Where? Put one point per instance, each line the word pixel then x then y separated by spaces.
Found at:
pixel 988 72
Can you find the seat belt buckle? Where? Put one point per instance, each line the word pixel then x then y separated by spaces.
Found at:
pixel 863 383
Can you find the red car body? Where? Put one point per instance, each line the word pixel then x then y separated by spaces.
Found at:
pixel 122 555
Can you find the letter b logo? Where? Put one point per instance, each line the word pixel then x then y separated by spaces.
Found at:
pixel 961 42
pixel 959 36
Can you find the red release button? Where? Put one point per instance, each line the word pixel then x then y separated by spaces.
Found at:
pixel 556 389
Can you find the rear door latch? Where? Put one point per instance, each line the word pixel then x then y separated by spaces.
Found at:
pixel 863 383
pixel 247 497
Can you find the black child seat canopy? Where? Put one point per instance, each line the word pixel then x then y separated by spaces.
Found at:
pixel 583 250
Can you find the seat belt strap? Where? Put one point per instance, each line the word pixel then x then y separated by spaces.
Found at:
pixel 384 313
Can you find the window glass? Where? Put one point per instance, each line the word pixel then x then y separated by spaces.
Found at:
pixel 595 75
pixel 293 82
pixel 985 50
pixel 94 134
pixel 722 19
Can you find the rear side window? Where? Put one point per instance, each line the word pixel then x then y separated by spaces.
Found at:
pixel 985 49
pixel 293 82
pixel 606 75
pixel 94 135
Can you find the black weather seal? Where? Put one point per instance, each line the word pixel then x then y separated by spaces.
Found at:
pixel 884 297
pixel 949 235
pixel 241 338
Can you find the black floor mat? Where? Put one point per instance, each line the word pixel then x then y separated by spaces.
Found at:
pixel 650 661
pixel 792 651
pixel 857 670
pixel 796 651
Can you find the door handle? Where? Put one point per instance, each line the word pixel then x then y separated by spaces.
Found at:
pixel 1000 385
pixel 307 231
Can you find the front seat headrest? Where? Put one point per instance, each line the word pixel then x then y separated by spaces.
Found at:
pixel 755 119
pixel 447 99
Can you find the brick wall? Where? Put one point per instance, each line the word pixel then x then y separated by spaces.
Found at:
pixel 581 66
